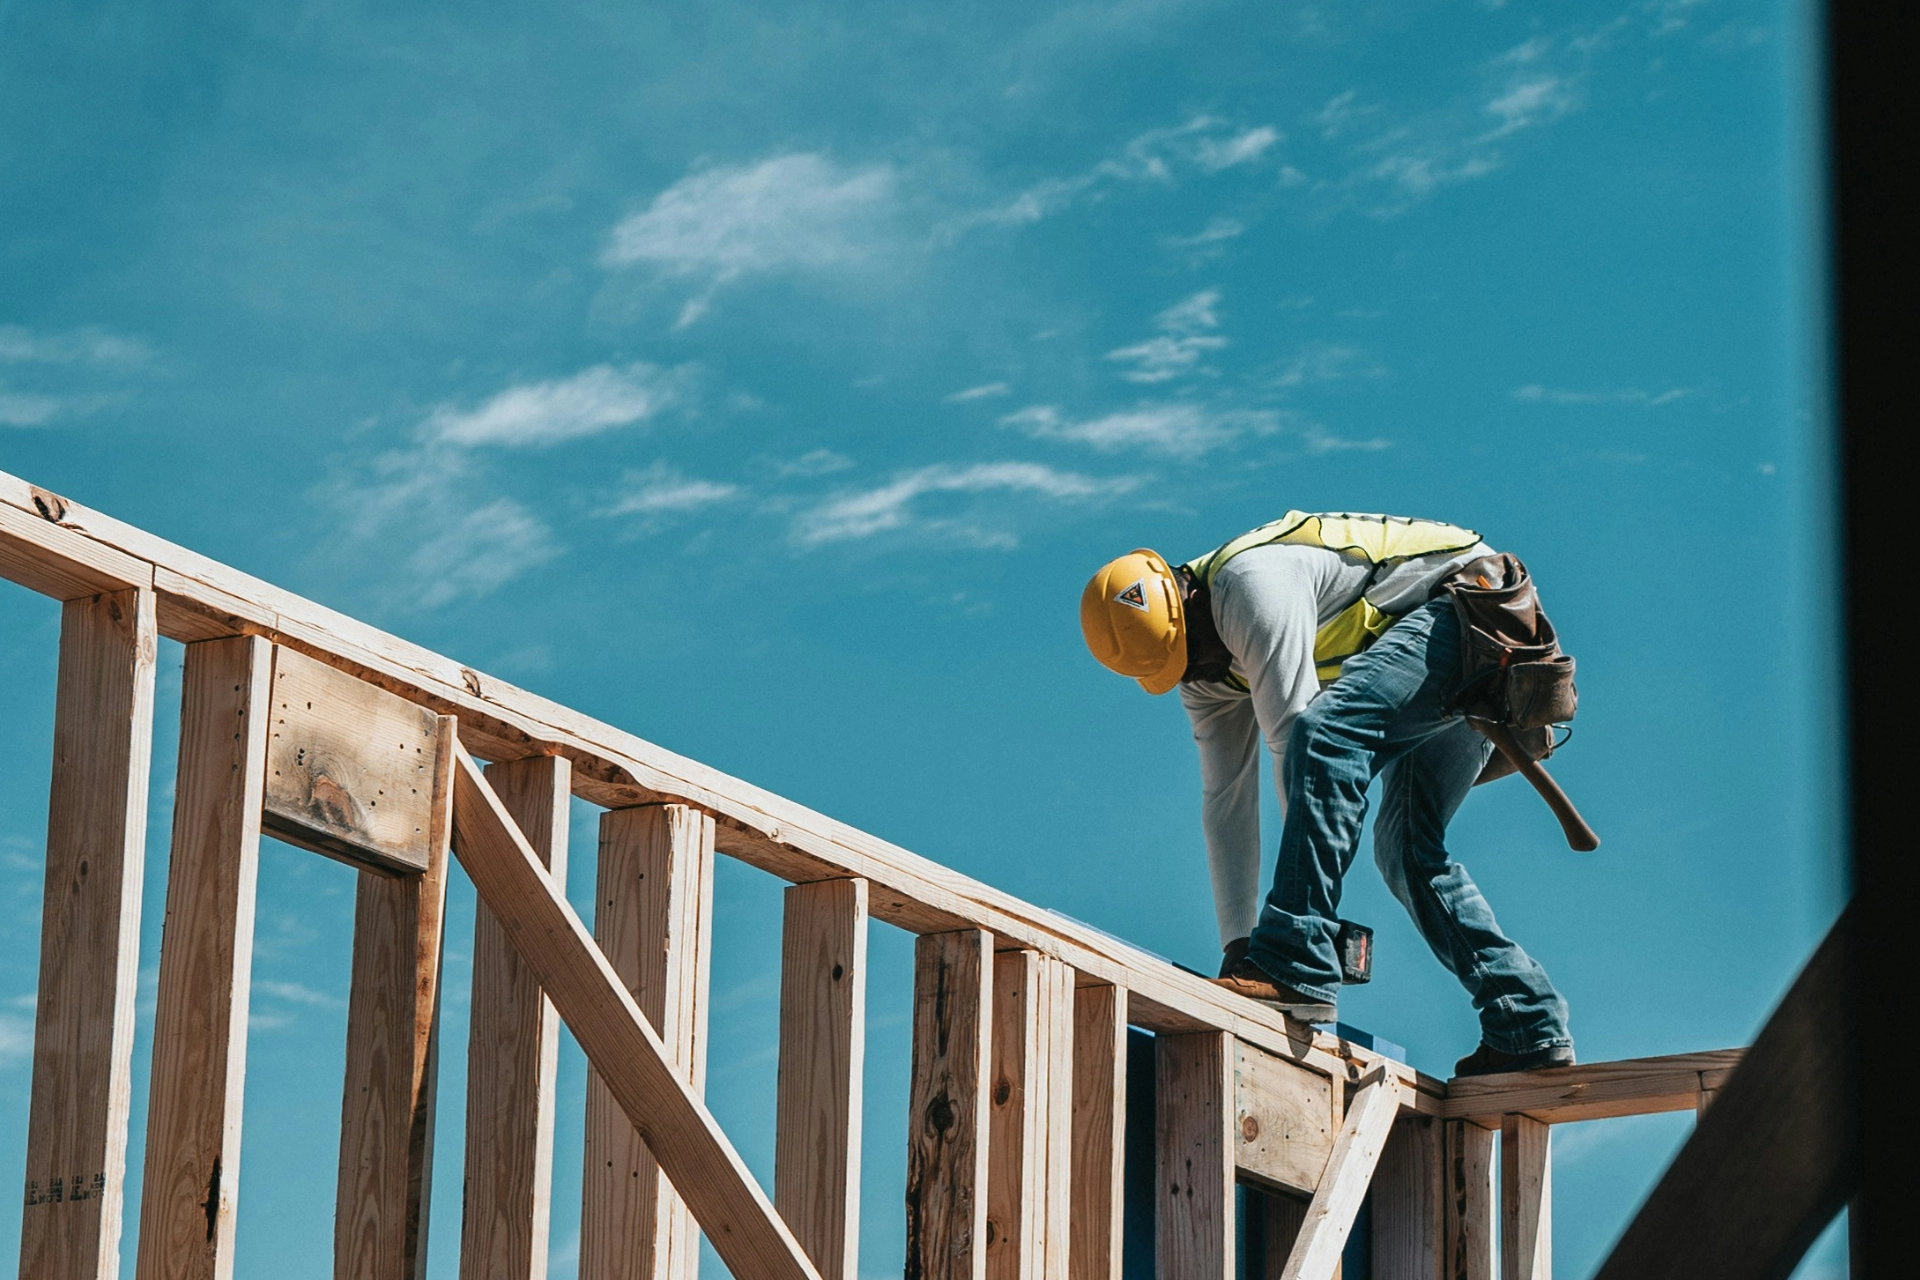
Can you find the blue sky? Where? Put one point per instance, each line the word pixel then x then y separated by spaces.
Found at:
pixel 766 379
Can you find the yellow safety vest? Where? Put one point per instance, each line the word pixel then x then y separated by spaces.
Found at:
pixel 1383 540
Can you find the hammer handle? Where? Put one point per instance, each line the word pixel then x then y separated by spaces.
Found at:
pixel 1580 837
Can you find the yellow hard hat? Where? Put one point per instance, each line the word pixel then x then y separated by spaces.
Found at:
pixel 1134 621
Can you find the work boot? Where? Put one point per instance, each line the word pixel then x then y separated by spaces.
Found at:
pixel 1232 954
pixel 1488 1061
pixel 1248 979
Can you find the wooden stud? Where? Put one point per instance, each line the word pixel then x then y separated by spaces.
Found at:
pixel 948 1110
pixel 823 1030
pixel 513 1056
pixel 198 1077
pixel 1284 1121
pixel 1526 1199
pixel 1702 1101
pixel 89 939
pixel 1056 1178
pixel 1469 1201
pixel 653 923
pixel 1409 1220
pixel 619 1042
pixel 351 768
pixel 1274 1222
pixel 1356 1151
pixel 386 1113
pixel 1097 1223
pixel 1193 1138
pixel 1016 1141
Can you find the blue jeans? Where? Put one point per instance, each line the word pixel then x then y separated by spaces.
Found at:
pixel 1385 716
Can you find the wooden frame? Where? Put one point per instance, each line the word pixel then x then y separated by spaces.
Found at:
pixel 1017 1099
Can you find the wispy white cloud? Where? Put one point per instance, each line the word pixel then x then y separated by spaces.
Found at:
pixel 16 1039
pixel 478 552
pixel 69 366
pixel 1185 336
pixel 892 507
pixel 1342 113
pixel 1531 102
pixel 801 211
pixel 661 490
pixel 1177 429
pixel 1215 154
pixel 1326 362
pixel 1319 440
pixel 985 391
pixel 1203 144
pixel 89 346
pixel 815 462
pixel 544 413
pixel 1534 393
pixel 1216 231
pixel 295 993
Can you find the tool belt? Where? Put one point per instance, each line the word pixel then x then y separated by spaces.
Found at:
pixel 1512 671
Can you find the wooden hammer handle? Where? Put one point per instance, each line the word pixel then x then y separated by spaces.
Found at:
pixel 1580 837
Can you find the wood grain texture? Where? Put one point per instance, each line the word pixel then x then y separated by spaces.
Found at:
pixel 89 939
pixel 191 1186
pixel 1096 1211
pixel 653 923
pixel 1775 1158
pixel 42 555
pixel 1194 1141
pixel 948 1108
pixel 199 598
pixel 1470 1204
pixel 1274 1219
pixel 513 1056
pixel 393 1015
pixel 1016 1134
pixel 1057 1175
pixel 1356 1153
pixel 1526 1199
pixel 619 1042
pixel 350 768
pixel 823 1034
pixel 1409 1217
pixel 1284 1121
pixel 1592 1090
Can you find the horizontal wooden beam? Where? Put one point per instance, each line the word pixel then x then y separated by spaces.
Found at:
pixel 199 598
pixel 1591 1091
pixel 621 1047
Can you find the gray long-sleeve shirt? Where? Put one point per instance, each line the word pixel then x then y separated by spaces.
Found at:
pixel 1268 603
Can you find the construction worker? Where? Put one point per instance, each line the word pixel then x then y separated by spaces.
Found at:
pixel 1328 636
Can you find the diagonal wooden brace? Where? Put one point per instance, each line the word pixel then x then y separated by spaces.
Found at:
pixel 1370 1117
pixel 735 1213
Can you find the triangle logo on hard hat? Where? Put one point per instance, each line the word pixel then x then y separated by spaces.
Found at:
pixel 1135 596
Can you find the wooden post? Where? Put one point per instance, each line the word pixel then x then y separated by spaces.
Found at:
pixel 1193 1121
pixel 198 1078
pixel 89 939
pixel 1099 1132
pixel 1356 1152
pixel 947 1116
pixel 386 1114
pixel 1409 1222
pixel 1016 1141
pixel 652 921
pixel 513 1056
pixel 1526 1199
pixel 1056 1177
pixel 823 1031
pixel 1469 1201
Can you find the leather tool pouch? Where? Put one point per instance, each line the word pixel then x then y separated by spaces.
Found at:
pixel 1512 671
